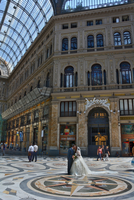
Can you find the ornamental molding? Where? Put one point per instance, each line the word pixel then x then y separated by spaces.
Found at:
pixel 92 12
pixel 103 102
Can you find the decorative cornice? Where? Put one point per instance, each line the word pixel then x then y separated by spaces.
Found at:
pixel 99 11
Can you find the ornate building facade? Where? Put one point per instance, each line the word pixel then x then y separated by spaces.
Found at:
pixel 75 84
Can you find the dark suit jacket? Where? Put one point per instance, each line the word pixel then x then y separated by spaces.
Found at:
pixel 70 159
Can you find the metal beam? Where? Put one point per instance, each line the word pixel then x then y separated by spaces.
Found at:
pixel 4 15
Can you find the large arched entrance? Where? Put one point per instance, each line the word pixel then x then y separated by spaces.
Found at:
pixel 98 130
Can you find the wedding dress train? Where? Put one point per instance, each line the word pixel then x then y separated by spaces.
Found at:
pixel 79 166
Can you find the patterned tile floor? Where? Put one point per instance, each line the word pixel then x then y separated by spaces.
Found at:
pixel 47 179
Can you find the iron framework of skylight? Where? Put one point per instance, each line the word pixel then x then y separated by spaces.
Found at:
pixel 79 5
pixel 20 23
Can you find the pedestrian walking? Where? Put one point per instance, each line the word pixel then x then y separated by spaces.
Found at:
pixel 35 152
pixel 103 153
pixel 107 153
pixel 30 152
pixel 99 152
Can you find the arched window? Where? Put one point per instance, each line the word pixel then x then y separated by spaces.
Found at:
pixel 117 76
pixel 15 100
pixel 96 75
pixel 48 80
pixel 69 77
pixel 47 53
pixel 61 79
pixel 99 40
pixel 104 73
pixel 65 44
pixel 20 97
pixel 90 41
pixel 38 84
pixel 31 88
pixel 0 73
pixel 125 73
pixel 51 49
pixel 76 79
pixel 73 43
pixel 25 93
pixel 88 78
pixel 117 39
pixel 127 37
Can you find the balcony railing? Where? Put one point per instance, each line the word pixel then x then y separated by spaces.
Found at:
pixel 93 49
pixel 93 88
pixel 68 114
pixel 126 112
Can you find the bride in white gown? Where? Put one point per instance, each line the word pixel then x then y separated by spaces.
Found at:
pixel 79 166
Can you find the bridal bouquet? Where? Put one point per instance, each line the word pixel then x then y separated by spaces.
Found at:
pixel 74 156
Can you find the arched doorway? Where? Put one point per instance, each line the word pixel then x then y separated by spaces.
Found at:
pixel 98 130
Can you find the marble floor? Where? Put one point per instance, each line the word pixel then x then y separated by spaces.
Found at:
pixel 47 179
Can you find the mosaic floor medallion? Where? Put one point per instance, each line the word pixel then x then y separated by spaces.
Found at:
pixel 80 186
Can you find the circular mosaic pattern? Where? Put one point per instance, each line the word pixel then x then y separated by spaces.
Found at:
pixel 57 164
pixel 8 184
pixel 80 186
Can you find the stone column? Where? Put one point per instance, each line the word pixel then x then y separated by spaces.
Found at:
pixel 115 138
pixel 31 128
pixel 82 131
pixel 39 130
pixel 53 129
pixel 24 137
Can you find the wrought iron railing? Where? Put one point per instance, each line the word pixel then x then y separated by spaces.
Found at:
pixel 68 114
pixel 126 112
pixel 94 87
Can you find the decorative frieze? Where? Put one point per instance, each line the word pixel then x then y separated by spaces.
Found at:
pixel 103 102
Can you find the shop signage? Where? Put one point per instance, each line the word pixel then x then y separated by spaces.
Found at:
pixel 70 138
pixel 126 118
pixel 63 138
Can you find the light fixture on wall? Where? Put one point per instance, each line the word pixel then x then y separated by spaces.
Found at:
pixel 79 112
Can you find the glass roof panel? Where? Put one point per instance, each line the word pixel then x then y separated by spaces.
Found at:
pixel 78 5
pixel 20 23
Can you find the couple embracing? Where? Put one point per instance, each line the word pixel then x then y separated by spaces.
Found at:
pixel 76 164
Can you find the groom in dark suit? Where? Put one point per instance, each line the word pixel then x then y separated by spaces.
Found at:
pixel 71 153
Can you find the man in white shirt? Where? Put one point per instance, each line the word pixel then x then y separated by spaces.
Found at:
pixel 35 152
pixel 31 153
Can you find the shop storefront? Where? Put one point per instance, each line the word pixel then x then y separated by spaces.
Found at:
pixel 127 136
pixel 35 135
pixel 67 137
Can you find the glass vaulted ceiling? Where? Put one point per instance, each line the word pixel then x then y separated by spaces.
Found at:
pixel 20 23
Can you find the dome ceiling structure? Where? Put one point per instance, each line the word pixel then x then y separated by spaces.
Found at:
pixel 20 23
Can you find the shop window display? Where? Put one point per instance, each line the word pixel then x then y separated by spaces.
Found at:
pixel 67 137
pixel 127 131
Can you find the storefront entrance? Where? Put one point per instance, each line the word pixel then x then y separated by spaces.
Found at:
pixel 127 137
pixel 67 137
pixel 98 130
pixel 35 135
